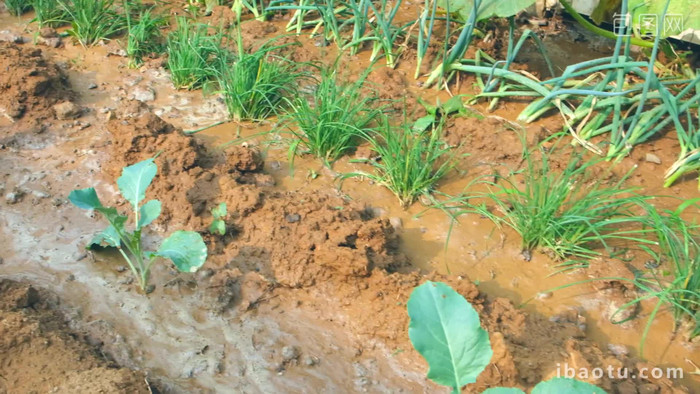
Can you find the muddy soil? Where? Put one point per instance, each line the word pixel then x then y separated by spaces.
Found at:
pixel 40 355
pixel 307 290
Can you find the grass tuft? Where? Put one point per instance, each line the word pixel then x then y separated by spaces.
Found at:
pixel 254 86
pixel 410 162
pixel 191 51
pixel 330 123
pixel 144 35
pixel 49 13
pixel 18 7
pixel 568 213
pixel 93 20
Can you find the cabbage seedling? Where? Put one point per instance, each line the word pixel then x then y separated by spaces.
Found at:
pixel 185 248
pixel 445 329
pixel 218 225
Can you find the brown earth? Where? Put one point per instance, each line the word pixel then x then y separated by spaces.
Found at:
pixel 29 85
pixel 40 355
pixel 341 257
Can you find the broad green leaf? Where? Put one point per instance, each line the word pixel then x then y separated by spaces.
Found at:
pixel 424 123
pixel 104 239
pixel 148 213
pixel 647 15
pixel 445 330
pixel 85 198
pixel 566 385
pixel 503 390
pixel 487 8
pixel 135 180
pixel 219 211
pixel 186 249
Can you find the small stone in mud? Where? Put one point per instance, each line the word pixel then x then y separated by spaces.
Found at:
pixel 293 217
pixel 310 361
pixel 652 158
pixel 13 197
pixel 618 350
pixel 8 36
pixel 205 273
pixel 150 289
pixel 121 268
pixel 47 32
pixel 143 94
pixel 92 86
pixel 396 223
pixel 126 281
pixel 40 194
pixel 290 353
pixel 544 296
pixel 70 278
pixel 67 110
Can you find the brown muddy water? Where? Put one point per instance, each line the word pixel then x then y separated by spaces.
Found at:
pixel 281 346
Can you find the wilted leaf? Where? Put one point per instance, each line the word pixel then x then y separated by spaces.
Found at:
pixel 135 180
pixel 445 330
pixel 148 213
pixel 565 385
pixel 85 198
pixel 186 249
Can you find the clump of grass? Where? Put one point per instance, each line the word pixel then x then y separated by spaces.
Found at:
pixel 254 85
pixel 49 13
pixel 93 20
pixel 330 122
pixel 674 277
pixel 144 35
pixel 567 213
pixel 410 162
pixel 191 51
pixel 18 7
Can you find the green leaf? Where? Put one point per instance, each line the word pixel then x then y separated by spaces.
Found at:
pixel 135 180
pixel 503 390
pixel 105 239
pixel 566 385
pixel 454 104
pixel 85 198
pixel 423 123
pixel 487 8
pixel 219 211
pixel 186 249
pixel 445 330
pixel 148 213
pixel 218 226
pixel 681 15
